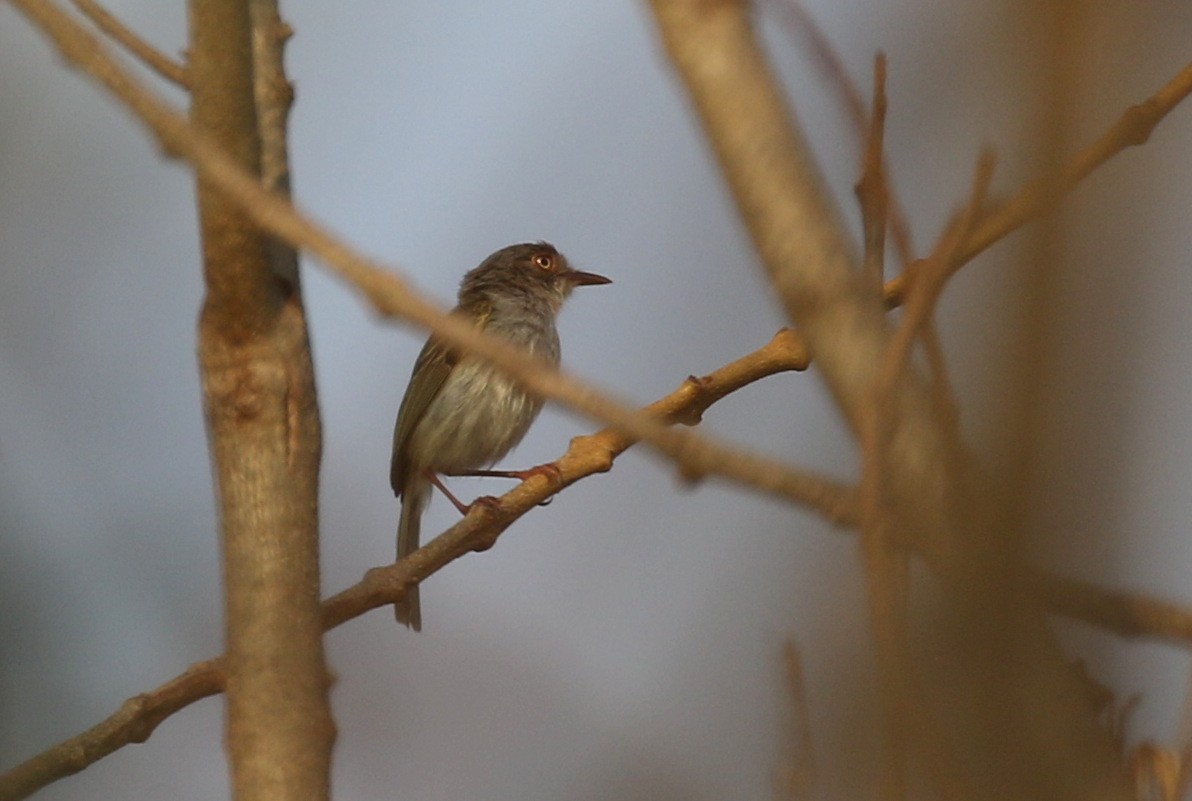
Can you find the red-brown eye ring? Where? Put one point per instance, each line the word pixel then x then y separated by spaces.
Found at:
pixel 544 261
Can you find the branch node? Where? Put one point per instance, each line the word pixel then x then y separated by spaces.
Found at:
pixel 1139 121
pixel 693 414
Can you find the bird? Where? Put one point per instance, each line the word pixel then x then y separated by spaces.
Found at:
pixel 459 413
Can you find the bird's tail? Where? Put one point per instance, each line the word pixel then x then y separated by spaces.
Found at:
pixel 408 610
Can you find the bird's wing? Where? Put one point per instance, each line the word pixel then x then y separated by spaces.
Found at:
pixel 431 369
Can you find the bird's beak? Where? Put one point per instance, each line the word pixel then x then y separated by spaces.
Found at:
pixel 581 278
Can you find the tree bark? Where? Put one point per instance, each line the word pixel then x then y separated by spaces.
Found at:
pixel 263 427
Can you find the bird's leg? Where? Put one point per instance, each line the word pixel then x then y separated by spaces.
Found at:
pixel 464 508
pixel 456 502
pixel 550 470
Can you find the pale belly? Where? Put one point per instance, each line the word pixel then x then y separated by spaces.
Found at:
pixel 476 418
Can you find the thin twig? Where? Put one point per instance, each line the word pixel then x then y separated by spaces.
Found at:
pixel 1125 614
pixel 136 719
pixel 832 66
pixel 153 58
pixel 696 456
pixel 887 568
pixel 932 273
pixel 872 191
pixel 1134 127
pixel 797 778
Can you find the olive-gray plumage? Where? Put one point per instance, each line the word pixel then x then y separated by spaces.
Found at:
pixel 460 413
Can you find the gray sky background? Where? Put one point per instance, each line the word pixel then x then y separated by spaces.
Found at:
pixel 625 641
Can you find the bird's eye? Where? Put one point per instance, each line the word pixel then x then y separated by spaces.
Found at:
pixel 544 261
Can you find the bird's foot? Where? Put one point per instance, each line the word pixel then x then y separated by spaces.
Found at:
pixel 487 501
pixel 549 470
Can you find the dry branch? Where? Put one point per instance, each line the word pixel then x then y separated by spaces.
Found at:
pixel 136 719
pixel 1126 615
pixel 587 455
pixel 390 296
pixel 886 566
pixel 832 66
pixel 1025 726
pixel 153 58
pixel 1037 197
pixel 873 191
pixel 798 233
pixel 696 456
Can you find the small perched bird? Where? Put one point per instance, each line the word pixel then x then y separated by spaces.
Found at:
pixel 460 414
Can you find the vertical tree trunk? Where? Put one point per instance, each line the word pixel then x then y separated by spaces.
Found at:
pixel 263 424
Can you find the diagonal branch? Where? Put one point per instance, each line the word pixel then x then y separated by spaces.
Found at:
pixel 138 717
pixel 798 233
pixel 153 58
pixel 832 66
pixel 696 456
pixel 1120 613
pixel 1132 128
pixel 1130 616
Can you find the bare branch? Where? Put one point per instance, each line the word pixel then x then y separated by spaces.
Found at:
pixel 832 66
pixel 696 456
pixel 933 272
pixel 872 190
pixel 587 455
pixel 1126 615
pixel 274 99
pixel 802 242
pixel 797 777
pixel 153 58
pixel 132 723
pixel 886 567
pixel 1037 197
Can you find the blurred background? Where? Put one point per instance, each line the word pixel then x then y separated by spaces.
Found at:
pixel 626 641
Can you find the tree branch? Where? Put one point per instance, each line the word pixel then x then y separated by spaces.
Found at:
pixel 1134 127
pixel 872 190
pixel 1125 614
pixel 696 456
pixel 832 66
pixel 587 455
pixel 136 719
pixel 274 100
pixel 1120 613
pixel 1031 731
pixel 887 568
pixel 153 58
pixel 801 240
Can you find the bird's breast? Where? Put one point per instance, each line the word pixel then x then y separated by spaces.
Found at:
pixel 479 414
